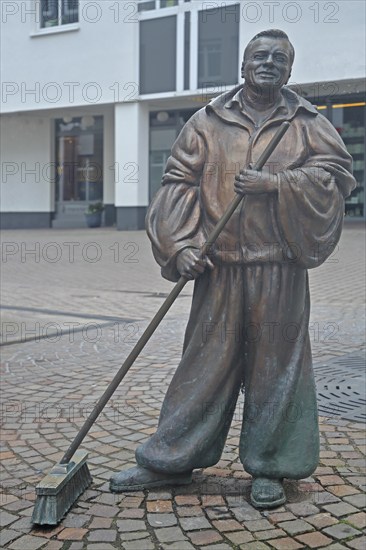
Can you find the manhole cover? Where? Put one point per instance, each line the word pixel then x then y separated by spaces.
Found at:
pixel 341 385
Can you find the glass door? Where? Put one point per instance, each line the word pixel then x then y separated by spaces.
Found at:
pixel 79 154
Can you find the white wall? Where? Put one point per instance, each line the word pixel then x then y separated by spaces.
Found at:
pixel 26 147
pixel 100 58
pixel 132 154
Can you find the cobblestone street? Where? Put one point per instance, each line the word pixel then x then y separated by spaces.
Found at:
pixel 74 303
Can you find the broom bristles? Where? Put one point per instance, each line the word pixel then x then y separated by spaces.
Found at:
pixel 58 492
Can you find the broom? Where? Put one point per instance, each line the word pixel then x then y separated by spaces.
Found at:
pixel 57 492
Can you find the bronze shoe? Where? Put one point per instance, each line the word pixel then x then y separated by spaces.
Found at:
pixel 267 493
pixel 138 478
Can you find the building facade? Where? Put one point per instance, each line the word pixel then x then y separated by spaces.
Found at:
pixel 94 93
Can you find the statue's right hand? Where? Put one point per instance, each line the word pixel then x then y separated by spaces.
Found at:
pixel 191 265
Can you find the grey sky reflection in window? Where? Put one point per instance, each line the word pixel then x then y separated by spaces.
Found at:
pixel 158 55
pixel 218 41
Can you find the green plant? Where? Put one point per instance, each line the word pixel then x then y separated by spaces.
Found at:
pixel 95 207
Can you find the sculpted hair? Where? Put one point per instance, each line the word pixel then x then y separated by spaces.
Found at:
pixel 272 33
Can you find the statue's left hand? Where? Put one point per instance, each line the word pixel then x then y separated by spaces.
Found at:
pixel 250 182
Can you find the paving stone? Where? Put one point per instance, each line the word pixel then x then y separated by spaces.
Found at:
pixel 100 546
pixel 194 523
pixel 102 535
pixel 136 545
pixel 159 506
pixel 53 545
pixel 255 546
pixel 7 535
pixel 128 525
pixel 314 540
pixel 357 520
pixel 218 513
pixel 161 520
pixel 7 519
pixel 135 536
pixel 46 532
pixel 270 534
pixel 357 544
pixel 201 538
pixel 220 546
pixel 302 509
pixel 76 546
pixel 24 525
pixel 72 533
pixel 100 523
pixel 159 495
pixel 131 513
pixel 340 509
pixel 181 545
pixel 75 520
pixel 276 517
pixel 358 500
pixel 226 525
pixel 285 544
pixel 27 542
pixel 341 531
pixel 189 511
pixel 239 537
pixel 170 534
pixel 187 500
pixel 258 525
pixel 336 546
pixel 342 490
pixel 103 511
pixel 243 510
pixel 212 500
pixel 319 521
pixel 323 497
pixel 295 527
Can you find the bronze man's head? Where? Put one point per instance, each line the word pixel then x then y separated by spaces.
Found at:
pixel 268 60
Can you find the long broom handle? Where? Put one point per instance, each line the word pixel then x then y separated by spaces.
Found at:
pixel 166 306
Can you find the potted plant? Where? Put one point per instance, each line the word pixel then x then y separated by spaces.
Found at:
pixel 93 214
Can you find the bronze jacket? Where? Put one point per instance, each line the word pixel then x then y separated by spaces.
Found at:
pixel 301 223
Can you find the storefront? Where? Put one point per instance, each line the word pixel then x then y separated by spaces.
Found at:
pixel 79 167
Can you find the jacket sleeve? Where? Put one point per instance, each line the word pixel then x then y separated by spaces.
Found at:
pixel 310 208
pixel 173 217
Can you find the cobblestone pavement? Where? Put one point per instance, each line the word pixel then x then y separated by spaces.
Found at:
pixel 74 304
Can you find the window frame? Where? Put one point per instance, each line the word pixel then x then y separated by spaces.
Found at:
pixel 62 11
pixel 194 7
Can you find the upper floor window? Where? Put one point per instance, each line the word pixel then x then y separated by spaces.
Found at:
pixel 145 5
pixel 59 12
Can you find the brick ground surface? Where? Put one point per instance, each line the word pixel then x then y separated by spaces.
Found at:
pixel 74 304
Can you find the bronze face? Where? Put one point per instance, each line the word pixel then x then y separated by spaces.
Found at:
pixel 267 63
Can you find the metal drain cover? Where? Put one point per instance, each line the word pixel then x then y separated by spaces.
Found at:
pixel 341 386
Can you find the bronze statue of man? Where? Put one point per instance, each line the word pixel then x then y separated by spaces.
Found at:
pixel 248 326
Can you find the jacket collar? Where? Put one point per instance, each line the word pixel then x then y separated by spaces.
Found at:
pixel 231 107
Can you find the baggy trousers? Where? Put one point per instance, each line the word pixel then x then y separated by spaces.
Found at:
pixel 248 327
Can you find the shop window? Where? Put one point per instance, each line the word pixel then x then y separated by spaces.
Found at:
pixel 218 39
pixel 158 39
pixel 79 154
pixel 349 120
pixel 164 129
pixel 59 12
pixel 168 3
pixel 146 5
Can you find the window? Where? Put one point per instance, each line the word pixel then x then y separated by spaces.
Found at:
pixel 218 38
pixel 146 5
pixel 59 12
pixel 79 154
pixel 157 63
pixel 349 120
